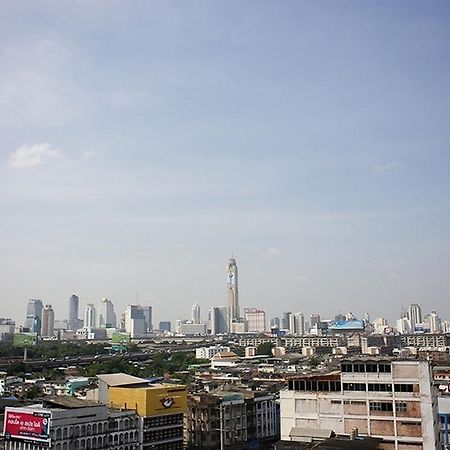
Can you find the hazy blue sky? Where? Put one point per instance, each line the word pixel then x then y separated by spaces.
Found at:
pixel 141 143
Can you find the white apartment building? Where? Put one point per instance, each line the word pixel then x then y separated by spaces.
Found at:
pixel 390 399
pixel 209 352
pixel 256 320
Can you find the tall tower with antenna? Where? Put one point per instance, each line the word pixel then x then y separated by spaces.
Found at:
pixel 232 289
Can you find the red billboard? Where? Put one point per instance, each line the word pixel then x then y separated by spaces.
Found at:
pixel 27 425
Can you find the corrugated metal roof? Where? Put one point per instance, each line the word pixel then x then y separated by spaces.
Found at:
pixel 121 379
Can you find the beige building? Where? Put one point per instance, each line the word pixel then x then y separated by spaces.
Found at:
pixel 68 423
pixel 391 399
pixel 160 408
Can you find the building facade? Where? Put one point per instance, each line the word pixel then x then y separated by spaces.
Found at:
pixel 107 316
pixel 232 290
pixel 73 312
pixel 390 399
pixel 34 315
pixel 68 423
pixel 48 321
pixel 160 408
pixel 256 320
pixel 231 419
pixel 220 320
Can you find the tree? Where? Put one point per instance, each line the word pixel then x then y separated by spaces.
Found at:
pixel 265 348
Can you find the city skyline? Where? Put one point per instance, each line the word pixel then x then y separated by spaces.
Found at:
pixel 144 144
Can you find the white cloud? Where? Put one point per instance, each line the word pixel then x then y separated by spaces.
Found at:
pixel 32 155
pixel 273 251
pixel 88 154
pixel 386 167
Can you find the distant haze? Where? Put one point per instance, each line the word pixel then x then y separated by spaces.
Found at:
pixel 142 143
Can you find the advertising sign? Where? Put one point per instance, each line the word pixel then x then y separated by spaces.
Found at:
pixel 30 425
pixel 25 339
pixel 120 338
pixel 346 325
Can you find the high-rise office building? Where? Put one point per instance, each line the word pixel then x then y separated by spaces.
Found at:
pixel 297 324
pixel 195 313
pixel 90 316
pixel 148 317
pixel 164 325
pixel 48 321
pixel 315 320
pixel 74 321
pixel 34 315
pixel 138 320
pixel 285 320
pixel 256 320
pixel 275 322
pixel 435 326
pixel 232 289
pixel 107 316
pixel 414 315
pixel 220 320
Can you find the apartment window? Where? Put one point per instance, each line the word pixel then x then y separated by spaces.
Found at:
pixel 335 402
pixel 347 368
pixel 371 368
pixel 404 387
pixel 379 387
pixel 400 407
pixel 384 368
pixel 354 386
pixel 380 406
pixel 359 368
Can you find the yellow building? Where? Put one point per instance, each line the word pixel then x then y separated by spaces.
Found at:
pixel 150 401
pixel 161 407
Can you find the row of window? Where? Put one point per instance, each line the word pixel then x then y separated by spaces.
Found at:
pixel 378 387
pixel 178 445
pixel 314 385
pixel 161 421
pixel 162 435
pixel 387 406
pixel 335 386
pixel 366 367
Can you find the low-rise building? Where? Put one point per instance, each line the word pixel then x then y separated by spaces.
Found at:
pixel 160 407
pixel 227 418
pixel 391 399
pixel 68 423
pixel 209 352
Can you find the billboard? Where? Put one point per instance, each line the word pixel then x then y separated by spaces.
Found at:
pixel 25 339
pixel 120 338
pixel 346 325
pixel 27 424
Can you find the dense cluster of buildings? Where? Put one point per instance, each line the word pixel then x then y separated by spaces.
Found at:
pixel 295 384
pixel 100 322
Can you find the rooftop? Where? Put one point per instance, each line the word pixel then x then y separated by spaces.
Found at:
pixel 66 402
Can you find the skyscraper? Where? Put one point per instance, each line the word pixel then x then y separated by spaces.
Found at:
pixel 107 316
pixel 220 320
pixel 34 315
pixel 74 321
pixel 232 289
pixel 138 320
pixel 90 316
pixel 195 313
pixel 414 315
pixel 48 321
pixel 297 324
pixel 256 320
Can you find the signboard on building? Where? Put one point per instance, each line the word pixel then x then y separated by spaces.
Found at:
pixel 25 339
pixel 28 425
pixel 120 338
pixel 346 325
